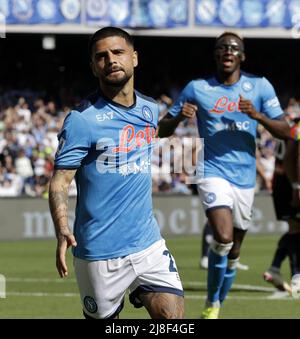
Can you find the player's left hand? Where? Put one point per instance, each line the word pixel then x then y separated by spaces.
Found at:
pixel 246 106
pixel 64 241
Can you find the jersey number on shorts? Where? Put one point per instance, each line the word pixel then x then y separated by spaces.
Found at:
pixel 172 268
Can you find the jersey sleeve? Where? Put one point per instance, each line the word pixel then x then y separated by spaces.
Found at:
pixel 74 142
pixel 270 103
pixel 187 95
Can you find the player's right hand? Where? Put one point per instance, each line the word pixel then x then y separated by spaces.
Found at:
pixel 188 110
pixel 63 243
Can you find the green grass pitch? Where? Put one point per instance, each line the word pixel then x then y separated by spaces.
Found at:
pixel 34 290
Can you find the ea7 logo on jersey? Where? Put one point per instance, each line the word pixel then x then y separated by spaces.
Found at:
pixel 105 116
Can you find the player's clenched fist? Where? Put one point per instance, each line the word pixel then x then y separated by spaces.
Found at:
pixel 188 110
pixel 246 106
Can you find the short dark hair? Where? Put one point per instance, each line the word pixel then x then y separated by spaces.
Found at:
pixel 230 34
pixel 108 32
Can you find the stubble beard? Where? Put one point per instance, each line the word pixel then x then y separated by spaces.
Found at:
pixel 117 83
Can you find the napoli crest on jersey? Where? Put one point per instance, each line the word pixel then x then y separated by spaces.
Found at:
pixel 247 86
pixel 147 113
pixel 90 304
pixel 210 198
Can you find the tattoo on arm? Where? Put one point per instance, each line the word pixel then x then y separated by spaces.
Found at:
pixel 58 200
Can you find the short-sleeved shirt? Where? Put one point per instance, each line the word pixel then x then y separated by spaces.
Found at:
pixel 229 135
pixel 110 146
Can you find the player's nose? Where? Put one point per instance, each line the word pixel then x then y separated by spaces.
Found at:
pixel 110 58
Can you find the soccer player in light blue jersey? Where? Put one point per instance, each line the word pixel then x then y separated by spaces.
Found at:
pixel 228 107
pixel 106 144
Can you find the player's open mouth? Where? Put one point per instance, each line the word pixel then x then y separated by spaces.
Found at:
pixel 227 62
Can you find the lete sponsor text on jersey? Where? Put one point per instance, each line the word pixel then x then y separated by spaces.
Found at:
pixel 131 139
pixel 223 105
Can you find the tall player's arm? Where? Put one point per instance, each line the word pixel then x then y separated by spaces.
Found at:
pixel 292 161
pixel 279 128
pixel 271 115
pixel 74 144
pixel 183 108
pixel 58 203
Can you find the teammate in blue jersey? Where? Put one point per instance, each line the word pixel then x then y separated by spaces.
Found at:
pixel 228 106
pixel 106 144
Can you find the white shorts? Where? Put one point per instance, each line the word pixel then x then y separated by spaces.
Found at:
pixel 218 192
pixel 103 284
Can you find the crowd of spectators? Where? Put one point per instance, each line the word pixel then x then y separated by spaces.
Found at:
pixel 28 142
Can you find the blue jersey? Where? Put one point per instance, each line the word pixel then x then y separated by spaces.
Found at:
pixel 229 135
pixel 110 146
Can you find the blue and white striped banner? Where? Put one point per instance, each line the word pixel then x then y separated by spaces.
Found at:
pixel 247 13
pixel 153 13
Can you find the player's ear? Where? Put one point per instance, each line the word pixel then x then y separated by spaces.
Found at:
pixel 135 58
pixel 243 57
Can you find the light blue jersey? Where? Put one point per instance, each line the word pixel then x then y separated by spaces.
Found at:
pixel 110 146
pixel 229 135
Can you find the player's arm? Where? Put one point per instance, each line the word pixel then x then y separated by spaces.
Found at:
pixel 292 162
pixel 271 115
pixel 279 128
pixel 169 123
pixel 74 144
pixel 183 108
pixel 261 172
pixel 58 202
